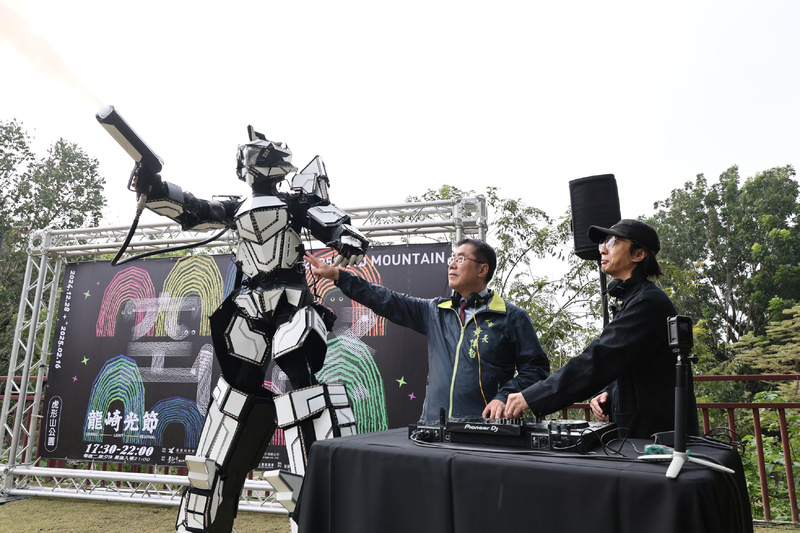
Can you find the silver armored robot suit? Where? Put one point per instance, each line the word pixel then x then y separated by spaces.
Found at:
pixel 271 314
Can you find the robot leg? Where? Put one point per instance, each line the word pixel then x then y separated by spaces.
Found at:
pixel 299 346
pixel 310 414
pixel 307 415
pixel 236 432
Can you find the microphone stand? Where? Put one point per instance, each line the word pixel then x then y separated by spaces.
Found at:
pixel 680 455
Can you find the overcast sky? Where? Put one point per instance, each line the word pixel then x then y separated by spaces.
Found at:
pixel 404 96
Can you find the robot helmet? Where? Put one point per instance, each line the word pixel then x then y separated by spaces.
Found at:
pixel 262 160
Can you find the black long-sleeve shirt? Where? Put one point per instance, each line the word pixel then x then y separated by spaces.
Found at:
pixel 632 360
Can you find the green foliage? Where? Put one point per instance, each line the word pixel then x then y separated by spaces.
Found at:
pixel 778 487
pixel 736 248
pixel 775 352
pixel 60 190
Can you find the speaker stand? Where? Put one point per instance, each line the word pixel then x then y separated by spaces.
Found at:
pixel 603 295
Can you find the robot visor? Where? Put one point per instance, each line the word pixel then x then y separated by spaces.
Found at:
pixel 253 156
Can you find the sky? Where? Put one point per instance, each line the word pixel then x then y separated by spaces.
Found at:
pixel 405 96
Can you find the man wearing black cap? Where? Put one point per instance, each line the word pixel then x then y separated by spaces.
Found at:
pixel 631 362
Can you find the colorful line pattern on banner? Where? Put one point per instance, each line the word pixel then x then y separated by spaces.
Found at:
pixel 119 380
pixel 351 362
pixel 230 281
pixel 180 411
pixel 196 276
pixel 129 285
pixel 323 288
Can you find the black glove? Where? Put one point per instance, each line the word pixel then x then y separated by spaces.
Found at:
pixel 147 182
pixel 350 246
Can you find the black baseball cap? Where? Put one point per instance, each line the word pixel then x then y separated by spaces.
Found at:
pixel 635 230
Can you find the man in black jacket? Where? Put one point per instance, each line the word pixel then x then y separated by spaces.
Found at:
pixel 631 362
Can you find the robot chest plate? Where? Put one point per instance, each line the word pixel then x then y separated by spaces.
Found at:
pixel 261 218
pixel 267 242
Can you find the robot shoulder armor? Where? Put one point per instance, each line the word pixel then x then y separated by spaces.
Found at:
pixel 259 202
pixel 328 215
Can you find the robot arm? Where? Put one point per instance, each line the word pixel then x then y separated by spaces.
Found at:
pixel 161 197
pixel 350 245
pixel 190 212
pixel 332 226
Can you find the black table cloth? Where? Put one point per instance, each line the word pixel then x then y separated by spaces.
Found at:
pixel 383 482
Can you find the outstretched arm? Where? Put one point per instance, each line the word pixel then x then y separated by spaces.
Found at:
pixel 400 308
pixel 321 269
pixel 169 200
pixel 332 226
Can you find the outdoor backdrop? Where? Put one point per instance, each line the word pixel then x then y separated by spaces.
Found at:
pixel 133 365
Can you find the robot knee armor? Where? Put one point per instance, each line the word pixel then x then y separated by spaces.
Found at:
pixel 310 414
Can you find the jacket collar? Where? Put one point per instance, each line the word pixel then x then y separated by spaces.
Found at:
pixel 496 304
pixel 620 291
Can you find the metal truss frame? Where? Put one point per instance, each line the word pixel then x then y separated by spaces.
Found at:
pixel 49 251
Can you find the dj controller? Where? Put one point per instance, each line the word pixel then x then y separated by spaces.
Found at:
pixel 576 436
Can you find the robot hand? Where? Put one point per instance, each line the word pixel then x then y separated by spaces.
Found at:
pixel 350 246
pixel 146 182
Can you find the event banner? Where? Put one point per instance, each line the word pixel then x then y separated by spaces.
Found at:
pixel 133 365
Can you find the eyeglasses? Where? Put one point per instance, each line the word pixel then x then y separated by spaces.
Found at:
pixel 610 242
pixel 461 258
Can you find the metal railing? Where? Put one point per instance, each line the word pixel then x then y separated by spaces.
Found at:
pixel 755 410
pixel 758 434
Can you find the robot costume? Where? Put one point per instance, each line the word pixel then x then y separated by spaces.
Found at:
pixel 270 315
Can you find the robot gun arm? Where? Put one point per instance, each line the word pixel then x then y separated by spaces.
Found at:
pixel 148 164
pixel 192 213
pixel 332 226
pixel 161 197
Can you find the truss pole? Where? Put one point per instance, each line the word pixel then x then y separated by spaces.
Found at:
pixel 459 226
pixel 483 217
pixel 29 349
pixel 44 355
pixel 12 364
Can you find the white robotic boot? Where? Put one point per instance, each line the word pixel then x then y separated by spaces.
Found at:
pixel 307 415
pixel 237 431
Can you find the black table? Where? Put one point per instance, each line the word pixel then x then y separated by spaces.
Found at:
pixel 383 482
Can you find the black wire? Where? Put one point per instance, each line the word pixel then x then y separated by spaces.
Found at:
pixel 622 437
pixel 134 225
pixel 722 438
pixel 141 201
pixel 156 252
pixel 314 280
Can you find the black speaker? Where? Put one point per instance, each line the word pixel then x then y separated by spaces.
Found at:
pixel 595 202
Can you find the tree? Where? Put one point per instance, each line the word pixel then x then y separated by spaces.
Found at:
pixel 737 248
pixel 58 191
pixel 775 352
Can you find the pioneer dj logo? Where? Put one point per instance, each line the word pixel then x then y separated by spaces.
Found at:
pixel 493 429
